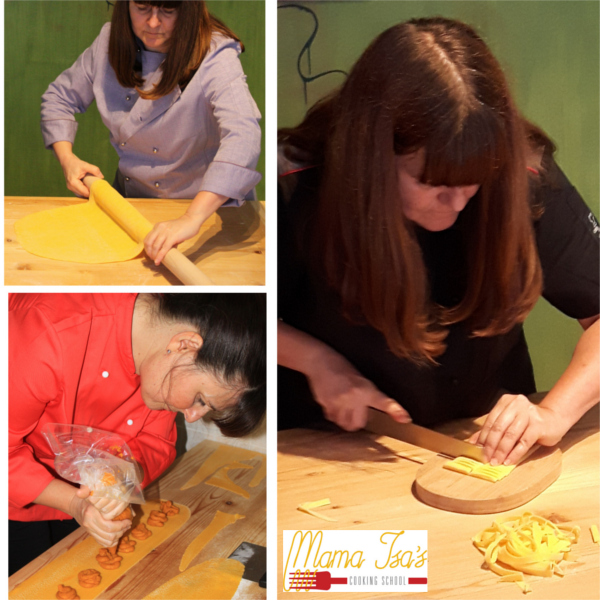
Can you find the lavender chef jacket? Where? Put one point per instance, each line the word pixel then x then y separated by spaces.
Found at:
pixel 204 138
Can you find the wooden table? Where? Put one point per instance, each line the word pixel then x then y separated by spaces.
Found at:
pixel 369 478
pixel 230 248
pixel 203 500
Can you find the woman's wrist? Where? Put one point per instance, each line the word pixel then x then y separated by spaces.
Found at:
pixel 59 495
pixel 204 204
pixel 63 151
pixel 197 217
pixel 325 361
pixel 302 352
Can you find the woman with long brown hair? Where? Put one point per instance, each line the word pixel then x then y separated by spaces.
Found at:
pixel 421 218
pixel 169 86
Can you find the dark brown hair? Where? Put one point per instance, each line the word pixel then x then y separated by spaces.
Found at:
pixel 429 84
pixel 234 332
pixel 189 44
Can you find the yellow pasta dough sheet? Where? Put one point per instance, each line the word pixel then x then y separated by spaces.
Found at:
pixel 92 232
pixel 219 522
pixel 216 579
pixel 221 479
pixel 225 455
pixel 64 569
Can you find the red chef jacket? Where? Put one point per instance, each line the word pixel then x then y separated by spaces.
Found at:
pixel 71 362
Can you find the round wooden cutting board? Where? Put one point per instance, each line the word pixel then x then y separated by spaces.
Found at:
pixel 461 493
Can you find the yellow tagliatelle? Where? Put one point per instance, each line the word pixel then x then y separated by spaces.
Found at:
pixel 528 544
pixel 474 468
pixel 595 535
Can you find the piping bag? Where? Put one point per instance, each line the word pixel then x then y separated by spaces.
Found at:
pixel 101 460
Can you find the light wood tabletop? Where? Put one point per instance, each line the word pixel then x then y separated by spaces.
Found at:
pixel 203 500
pixel 369 480
pixel 229 249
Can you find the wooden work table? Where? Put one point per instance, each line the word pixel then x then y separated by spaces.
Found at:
pixel 229 249
pixel 369 478
pixel 203 500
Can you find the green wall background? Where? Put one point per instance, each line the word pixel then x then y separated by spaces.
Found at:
pixel 45 37
pixel 550 52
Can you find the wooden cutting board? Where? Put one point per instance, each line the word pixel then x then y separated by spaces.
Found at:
pixel 461 493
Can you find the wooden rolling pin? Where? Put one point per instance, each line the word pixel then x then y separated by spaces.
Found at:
pixel 138 227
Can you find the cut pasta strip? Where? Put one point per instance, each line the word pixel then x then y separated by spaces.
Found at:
pixel 512 577
pixel 524 586
pixel 474 468
pixel 595 535
pixel 307 507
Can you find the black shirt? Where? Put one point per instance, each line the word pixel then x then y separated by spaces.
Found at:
pixel 472 371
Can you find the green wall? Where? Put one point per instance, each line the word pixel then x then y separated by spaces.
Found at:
pixel 42 39
pixel 550 52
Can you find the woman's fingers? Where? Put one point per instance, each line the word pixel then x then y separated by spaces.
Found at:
pixel 106 532
pixel 163 252
pixel 93 170
pixel 509 430
pixel 357 418
pixel 391 407
pixel 168 234
pixel 507 434
pixel 77 187
pixel 75 170
pixel 521 448
pixel 156 243
pixel 113 510
pixel 83 492
pixel 491 419
pixel 109 507
pixel 354 416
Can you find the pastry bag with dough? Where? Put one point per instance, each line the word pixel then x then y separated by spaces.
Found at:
pixel 99 459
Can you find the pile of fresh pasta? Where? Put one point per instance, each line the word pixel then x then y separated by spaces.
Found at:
pixel 529 544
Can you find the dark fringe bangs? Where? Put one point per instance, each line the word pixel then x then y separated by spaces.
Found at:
pixel 161 3
pixel 476 154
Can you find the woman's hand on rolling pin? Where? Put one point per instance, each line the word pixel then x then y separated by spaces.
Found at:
pixel 75 170
pixel 345 395
pixel 167 234
pixel 106 532
pixel 514 425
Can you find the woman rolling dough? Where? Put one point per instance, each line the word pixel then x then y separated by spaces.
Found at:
pixel 421 217
pixel 127 364
pixel 169 86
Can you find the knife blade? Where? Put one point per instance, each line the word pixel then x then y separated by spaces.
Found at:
pixel 381 423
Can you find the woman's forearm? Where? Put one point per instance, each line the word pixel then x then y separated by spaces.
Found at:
pixel 204 204
pixel 343 393
pixel 300 351
pixel 57 494
pixel 62 150
pixel 578 389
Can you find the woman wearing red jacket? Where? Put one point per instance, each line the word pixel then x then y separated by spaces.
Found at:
pixel 123 363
